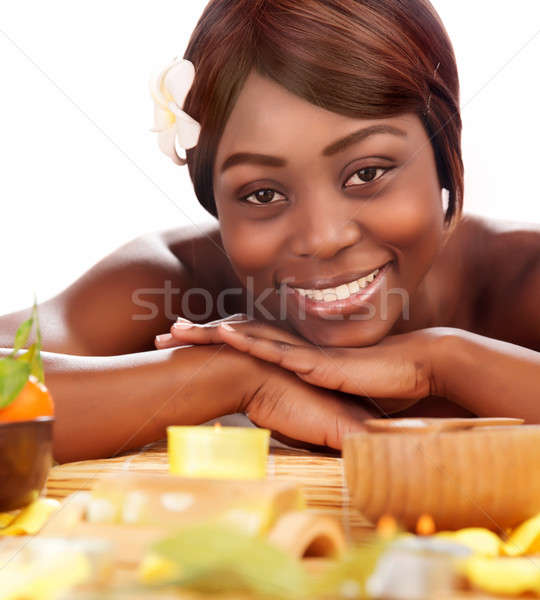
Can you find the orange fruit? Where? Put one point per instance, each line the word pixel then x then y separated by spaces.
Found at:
pixel 33 401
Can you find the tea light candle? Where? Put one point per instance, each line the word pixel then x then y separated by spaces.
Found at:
pixel 218 452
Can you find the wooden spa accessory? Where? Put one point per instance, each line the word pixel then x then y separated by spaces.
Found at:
pixel 133 510
pixel 463 472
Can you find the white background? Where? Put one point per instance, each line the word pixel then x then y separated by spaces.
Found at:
pixel 81 173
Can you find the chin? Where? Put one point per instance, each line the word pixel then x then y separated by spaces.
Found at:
pixel 347 333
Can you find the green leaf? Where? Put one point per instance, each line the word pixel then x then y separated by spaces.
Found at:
pixel 33 355
pixel 33 359
pixel 15 370
pixel 21 337
pixel 36 319
pixel 13 375
pixel 215 558
pixel 37 363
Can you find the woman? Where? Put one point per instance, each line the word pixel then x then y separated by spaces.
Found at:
pixel 329 150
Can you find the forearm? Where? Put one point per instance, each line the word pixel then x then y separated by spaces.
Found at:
pixel 107 405
pixel 489 377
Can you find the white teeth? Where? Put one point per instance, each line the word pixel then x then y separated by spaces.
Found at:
pixel 341 292
pixel 372 276
pixel 354 287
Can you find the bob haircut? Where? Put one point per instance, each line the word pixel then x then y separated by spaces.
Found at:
pixel 360 58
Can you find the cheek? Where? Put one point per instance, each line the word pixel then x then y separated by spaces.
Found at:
pixel 252 247
pixel 411 222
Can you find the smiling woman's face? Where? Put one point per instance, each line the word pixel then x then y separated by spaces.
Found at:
pixel 317 217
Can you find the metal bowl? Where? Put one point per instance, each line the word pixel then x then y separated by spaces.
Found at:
pixel 25 460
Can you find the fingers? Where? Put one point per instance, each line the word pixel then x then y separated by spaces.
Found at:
pixel 300 359
pixel 323 423
pixel 185 332
pixel 240 317
pixel 165 340
pixel 306 413
pixel 369 372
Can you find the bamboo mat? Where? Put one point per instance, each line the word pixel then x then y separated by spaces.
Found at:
pixel 320 476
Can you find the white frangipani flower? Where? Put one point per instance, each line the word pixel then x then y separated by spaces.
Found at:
pixel 169 90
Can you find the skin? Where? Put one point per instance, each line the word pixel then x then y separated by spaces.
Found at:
pixel 311 217
pixel 471 344
pixel 323 220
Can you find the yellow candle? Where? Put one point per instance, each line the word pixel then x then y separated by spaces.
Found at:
pixel 218 452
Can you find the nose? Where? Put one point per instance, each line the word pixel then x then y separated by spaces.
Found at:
pixel 322 230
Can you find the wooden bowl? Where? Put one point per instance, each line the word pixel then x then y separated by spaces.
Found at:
pixel 486 476
pixel 25 460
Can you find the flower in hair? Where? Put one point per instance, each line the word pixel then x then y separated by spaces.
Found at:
pixel 169 90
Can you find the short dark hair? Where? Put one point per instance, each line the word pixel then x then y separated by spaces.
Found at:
pixel 359 58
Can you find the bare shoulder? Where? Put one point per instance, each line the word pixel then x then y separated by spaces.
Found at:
pixel 511 249
pixel 132 294
pixel 199 249
pixel 507 259
pixel 512 245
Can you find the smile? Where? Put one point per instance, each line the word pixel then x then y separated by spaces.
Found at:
pixel 346 298
pixel 341 292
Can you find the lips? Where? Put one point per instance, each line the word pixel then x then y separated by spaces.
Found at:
pixel 341 291
pixel 321 283
pixel 348 297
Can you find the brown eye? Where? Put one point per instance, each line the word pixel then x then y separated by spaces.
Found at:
pixel 367 174
pixel 263 196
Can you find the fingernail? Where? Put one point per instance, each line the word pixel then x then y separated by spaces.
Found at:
pixel 182 320
pixel 227 327
pixel 164 337
pixel 182 325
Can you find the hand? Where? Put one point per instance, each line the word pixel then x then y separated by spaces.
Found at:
pixel 283 403
pixel 394 374
pixel 275 398
pixel 185 332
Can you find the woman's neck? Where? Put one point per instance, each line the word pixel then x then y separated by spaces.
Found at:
pixel 444 296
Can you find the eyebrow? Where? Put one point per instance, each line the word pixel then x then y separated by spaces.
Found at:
pixel 333 148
